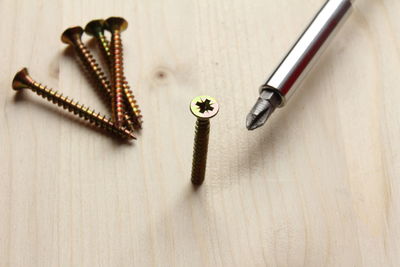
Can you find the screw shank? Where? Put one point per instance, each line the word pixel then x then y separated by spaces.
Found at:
pixel 121 89
pixel 93 68
pixel 104 48
pixel 117 78
pixel 200 151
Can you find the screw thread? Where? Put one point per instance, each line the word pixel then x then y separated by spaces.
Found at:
pixel 118 77
pixel 200 151
pixel 135 111
pixel 104 48
pixel 79 110
pixel 93 68
pixel 118 74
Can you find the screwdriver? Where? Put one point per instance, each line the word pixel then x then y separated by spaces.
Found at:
pixel 285 80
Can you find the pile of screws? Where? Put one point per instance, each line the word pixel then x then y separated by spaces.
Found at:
pixel 126 116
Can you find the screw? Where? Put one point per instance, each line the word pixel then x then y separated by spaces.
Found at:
pixel 73 37
pixel 204 108
pixel 23 80
pixel 116 25
pixel 96 29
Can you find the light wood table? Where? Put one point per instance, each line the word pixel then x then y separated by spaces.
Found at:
pixel 317 186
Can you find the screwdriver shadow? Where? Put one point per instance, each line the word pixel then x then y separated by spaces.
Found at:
pixel 21 96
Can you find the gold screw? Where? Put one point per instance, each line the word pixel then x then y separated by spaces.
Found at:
pixel 73 37
pixel 116 25
pixel 23 80
pixel 96 29
pixel 204 108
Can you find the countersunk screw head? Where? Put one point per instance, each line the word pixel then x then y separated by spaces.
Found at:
pixel 95 26
pixel 71 35
pixel 116 23
pixel 204 107
pixel 22 80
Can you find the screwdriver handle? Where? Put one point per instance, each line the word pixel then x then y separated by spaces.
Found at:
pixel 301 58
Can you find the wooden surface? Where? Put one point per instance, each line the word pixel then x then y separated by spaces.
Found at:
pixel 317 186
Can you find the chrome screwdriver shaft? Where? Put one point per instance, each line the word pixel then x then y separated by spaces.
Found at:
pixel 284 81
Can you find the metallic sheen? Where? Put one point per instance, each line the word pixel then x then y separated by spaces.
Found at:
pixel 302 57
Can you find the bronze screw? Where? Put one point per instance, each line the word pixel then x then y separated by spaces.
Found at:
pixel 204 108
pixel 116 25
pixel 96 29
pixel 23 80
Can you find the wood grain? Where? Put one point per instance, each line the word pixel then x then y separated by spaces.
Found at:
pixel 318 186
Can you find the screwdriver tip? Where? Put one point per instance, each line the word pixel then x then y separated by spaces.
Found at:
pixel 251 120
pixel 259 114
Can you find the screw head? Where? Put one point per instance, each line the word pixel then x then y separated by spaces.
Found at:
pixel 22 80
pixel 116 23
pixel 71 35
pixel 204 107
pixel 95 26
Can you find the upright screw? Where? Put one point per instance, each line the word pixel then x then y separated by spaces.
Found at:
pixel 204 108
pixel 116 25
pixel 23 80
pixel 96 29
